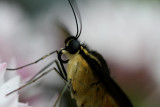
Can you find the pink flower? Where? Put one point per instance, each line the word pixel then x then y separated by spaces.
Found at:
pixel 7 86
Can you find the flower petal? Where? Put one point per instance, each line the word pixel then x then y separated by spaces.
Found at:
pixel 2 72
pixel 23 105
pixel 11 74
pixel 11 100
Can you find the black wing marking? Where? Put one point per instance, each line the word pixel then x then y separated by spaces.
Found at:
pixel 102 72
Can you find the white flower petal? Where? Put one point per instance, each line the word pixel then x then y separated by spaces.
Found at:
pixel 23 105
pixel 11 100
pixel 11 64
pixel 2 72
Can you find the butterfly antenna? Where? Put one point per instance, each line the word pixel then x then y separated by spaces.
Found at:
pixel 80 20
pixel 77 13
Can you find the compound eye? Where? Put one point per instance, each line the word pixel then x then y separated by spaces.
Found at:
pixel 73 46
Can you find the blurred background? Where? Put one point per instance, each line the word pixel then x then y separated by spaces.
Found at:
pixel 125 32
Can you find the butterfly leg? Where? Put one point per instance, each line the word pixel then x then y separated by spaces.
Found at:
pixel 42 58
pixel 40 75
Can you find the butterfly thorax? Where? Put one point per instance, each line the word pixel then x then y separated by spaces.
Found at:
pixel 85 87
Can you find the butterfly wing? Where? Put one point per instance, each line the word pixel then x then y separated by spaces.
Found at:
pixel 101 71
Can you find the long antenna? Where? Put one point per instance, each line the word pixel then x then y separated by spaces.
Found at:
pixel 78 14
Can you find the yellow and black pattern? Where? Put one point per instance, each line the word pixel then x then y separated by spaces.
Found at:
pixel 90 81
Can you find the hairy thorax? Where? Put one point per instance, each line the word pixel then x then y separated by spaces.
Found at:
pixel 85 88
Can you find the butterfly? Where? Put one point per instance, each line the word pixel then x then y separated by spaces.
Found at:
pixel 87 75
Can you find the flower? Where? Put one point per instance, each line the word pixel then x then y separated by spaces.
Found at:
pixel 8 86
